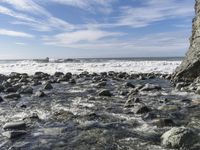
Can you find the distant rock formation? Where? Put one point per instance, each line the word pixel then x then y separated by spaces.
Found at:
pixel 189 70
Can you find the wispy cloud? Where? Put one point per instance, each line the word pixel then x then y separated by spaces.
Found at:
pixel 77 37
pixel 88 40
pixel 103 6
pixel 152 11
pixel 15 33
pixel 41 19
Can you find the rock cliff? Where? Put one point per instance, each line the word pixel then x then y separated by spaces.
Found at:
pixel 190 67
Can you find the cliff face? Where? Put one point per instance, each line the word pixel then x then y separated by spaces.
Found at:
pixel 190 67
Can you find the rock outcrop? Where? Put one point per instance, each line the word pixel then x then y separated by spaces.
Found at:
pixel 190 67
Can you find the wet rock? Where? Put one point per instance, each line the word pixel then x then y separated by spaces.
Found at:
pixel 14 134
pixel 179 138
pixel 6 84
pixel 23 80
pixel 197 91
pixel 11 90
pixel 141 109
pixel 72 81
pixel 1 88
pixel 26 90
pixel 122 75
pixel 105 93
pixel 58 74
pixel 130 102
pixel 12 96
pixel 150 87
pixel 168 107
pixel 102 84
pixel 1 99
pixel 180 85
pixel 3 78
pixel 20 146
pixel 129 84
pixel 48 86
pixel 163 122
pixel 124 92
pixel 19 125
pixel 54 131
pixel 40 94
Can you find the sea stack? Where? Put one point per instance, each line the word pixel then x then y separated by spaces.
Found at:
pixel 189 69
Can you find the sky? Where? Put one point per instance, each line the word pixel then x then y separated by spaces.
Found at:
pixel 94 28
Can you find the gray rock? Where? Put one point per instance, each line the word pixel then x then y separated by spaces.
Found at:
pixel 141 109
pixel 180 85
pixel 14 134
pixel 190 67
pixel 19 125
pixel 72 81
pixel 131 102
pixel 26 90
pixel 198 90
pixel 58 74
pixel 101 84
pixel 163 122
pixel 13 96
pixel 150 87
pixel 48 86
pixel 179 138
pixel 129 84
pixel 11 90
pixel 105 93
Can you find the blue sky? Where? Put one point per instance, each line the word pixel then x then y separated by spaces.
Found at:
pixel 94 28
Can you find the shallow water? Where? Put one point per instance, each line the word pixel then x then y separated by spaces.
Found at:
pixel 75 117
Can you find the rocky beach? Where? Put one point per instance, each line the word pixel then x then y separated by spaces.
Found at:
pixel 150 103
pixel 106 110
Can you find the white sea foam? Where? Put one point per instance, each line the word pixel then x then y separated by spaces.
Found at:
pixel 31 67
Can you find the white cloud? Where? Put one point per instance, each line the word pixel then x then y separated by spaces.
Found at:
pixel 76 37
pixel 15 33
pixel 160 42
pixel 152 11
pixel 41 19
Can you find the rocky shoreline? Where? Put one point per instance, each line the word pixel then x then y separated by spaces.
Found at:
pixel 109 110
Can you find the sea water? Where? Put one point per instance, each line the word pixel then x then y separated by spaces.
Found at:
pixel 164 65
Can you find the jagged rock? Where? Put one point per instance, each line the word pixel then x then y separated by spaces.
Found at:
pixel 179 138
pixel 189 69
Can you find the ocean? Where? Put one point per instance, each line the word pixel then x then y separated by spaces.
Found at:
pixel 165 65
